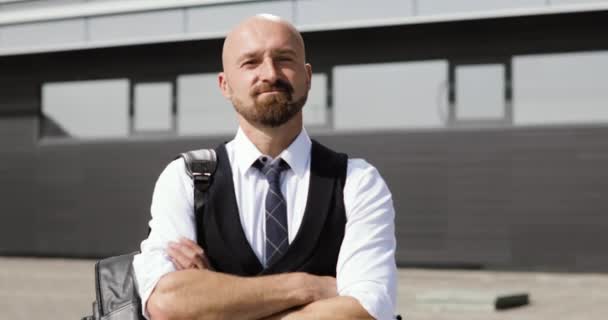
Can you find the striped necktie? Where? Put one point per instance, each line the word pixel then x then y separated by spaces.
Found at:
pixel 277 240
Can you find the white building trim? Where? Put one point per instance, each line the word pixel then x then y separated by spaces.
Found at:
pixel 94 9
pixel 85 10
pixel 454 17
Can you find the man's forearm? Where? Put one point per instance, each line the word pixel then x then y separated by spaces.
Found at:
pixel 337 308
pixel 198 294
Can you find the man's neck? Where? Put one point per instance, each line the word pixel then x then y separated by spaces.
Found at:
pixel 272 141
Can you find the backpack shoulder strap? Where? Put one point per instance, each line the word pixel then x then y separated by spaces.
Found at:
pixel 200 166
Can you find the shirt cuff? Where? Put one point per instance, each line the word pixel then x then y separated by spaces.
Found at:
pixel 373 298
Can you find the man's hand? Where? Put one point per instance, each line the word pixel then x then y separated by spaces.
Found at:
pixel 187 254
pixel 198 294
pixel 177 294
pixel 322 287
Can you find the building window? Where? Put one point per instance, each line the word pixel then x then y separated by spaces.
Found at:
pixel 403 95
pixel 316 110
pixel 153 107
pixel 480 94
pixel 85 109
pixel 202 109
pixel 566 88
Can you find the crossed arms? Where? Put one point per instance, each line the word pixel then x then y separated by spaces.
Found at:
pixel 197 292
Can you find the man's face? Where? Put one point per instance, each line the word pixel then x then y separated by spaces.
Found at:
pixel 265 74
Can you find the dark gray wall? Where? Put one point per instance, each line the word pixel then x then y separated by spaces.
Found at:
pixel 523 199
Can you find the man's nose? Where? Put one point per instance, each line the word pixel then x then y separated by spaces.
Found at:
pixel 268 71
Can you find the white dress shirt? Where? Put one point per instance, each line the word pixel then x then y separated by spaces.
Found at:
pixel 366 267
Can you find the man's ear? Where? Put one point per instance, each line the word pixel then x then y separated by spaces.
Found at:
pixel 308 75
pixel 223 84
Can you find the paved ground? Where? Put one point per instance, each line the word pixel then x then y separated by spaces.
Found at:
pixel 63 290
pixel 553 296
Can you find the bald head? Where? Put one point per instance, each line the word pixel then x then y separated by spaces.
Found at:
pixel 265 74
pixel 256 27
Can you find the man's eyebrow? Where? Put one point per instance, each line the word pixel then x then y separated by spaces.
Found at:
pixel 247 55
pixel 275 52
pixel 286 51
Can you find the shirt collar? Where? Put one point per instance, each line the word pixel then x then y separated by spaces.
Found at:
pixel 297 155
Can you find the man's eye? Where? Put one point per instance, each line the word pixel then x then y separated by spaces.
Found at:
pixel 248 63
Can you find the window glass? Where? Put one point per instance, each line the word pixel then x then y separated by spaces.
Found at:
pixel 391 95
pixel 480 92
pixel 202 110
pixel 88 109
pixel 315 110
pixel 153 106
pixel 560 88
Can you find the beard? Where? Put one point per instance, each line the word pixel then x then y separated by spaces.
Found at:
pixel 270 110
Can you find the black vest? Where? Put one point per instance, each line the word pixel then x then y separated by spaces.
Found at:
pixel 315 247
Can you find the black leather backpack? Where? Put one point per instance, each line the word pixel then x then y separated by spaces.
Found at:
pixel 116 296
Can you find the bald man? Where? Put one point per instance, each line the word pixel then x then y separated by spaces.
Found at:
pixel 291 229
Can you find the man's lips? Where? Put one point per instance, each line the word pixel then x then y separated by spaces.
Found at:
pixel 272 91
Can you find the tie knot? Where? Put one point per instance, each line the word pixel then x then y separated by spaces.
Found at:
pixel 271 169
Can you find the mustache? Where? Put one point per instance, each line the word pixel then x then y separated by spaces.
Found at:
pixel 279 85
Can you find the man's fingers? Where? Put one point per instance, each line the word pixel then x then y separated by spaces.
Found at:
pixel 192 245
pixel 196 248
pixel 194 254
pixel 181 260
pixel 189 251
pixel 185 257
pixel 176 257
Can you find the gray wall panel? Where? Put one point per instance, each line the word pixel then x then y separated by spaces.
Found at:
pixel 43 33
pixel 137 25
pixel 221 18
pixel 484 197
pixel 558 2
pixel 429 7
pixel 18 134
pixel 28 5
pixel 18 95
pixel 337 11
